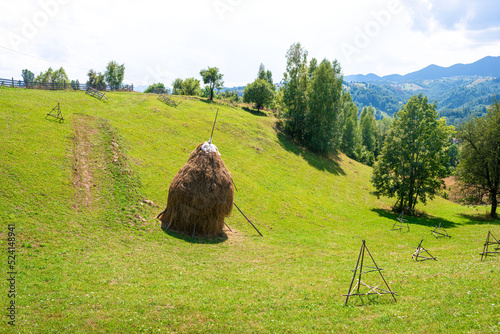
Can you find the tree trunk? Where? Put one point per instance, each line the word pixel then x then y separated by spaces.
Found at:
pixel 494 203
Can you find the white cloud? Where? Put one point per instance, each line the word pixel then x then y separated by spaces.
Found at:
pixel 163 40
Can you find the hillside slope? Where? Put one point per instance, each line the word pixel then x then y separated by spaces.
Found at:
pixel 91 257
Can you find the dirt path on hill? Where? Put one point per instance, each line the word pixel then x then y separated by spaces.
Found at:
pixel 85 161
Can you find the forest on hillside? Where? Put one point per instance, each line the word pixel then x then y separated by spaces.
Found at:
pixel 457 97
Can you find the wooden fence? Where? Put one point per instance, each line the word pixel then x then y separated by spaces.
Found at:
pixel 62 86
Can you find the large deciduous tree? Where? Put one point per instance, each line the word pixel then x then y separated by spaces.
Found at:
pixel 190 86
pixel 157 88
pixel 96 80
pixel 213 79
pixel 414 156
pixel 114 74
pixel 259 92
pixel 479 167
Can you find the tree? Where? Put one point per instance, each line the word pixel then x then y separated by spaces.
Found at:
pixel 96 80
pixel 157 88
pixel 59 76
pixel 265 75
pixel 190 86
pixel 368 128
pixel 479 167
pixel 114 74
pixel 213 78
pixel 295 91
pixel 28 76
pixel 351 138
pixel 50 76
pixel 324 93
pixel 312 101
pixel 177 86
pixel 259 92
pixel 414 156
pixel 45 77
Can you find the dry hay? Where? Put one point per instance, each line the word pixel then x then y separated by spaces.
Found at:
pixel 200 195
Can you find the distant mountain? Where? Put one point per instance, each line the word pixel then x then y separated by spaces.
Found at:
pixel 485 67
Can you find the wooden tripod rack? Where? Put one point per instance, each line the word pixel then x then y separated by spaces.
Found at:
pixel 418 255
pixel 373 290
pixel 399 224
pixel 440 232
pixel 490 240
pixel 56 113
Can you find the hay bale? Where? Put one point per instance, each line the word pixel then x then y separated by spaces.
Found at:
pixel 200 195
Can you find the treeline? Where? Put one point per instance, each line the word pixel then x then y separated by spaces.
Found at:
pixel 382 97
pixel 457 98
pixel 320 114
pixel 111 79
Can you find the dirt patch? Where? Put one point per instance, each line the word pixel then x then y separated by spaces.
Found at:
pixel 85 161
pixel 452 188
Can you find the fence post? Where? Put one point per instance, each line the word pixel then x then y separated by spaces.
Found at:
pixel 13 82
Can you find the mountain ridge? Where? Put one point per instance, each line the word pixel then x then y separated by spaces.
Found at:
pixel 488 66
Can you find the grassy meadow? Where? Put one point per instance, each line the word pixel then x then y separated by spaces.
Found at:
pixel 84 193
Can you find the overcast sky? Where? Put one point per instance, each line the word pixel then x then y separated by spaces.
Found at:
pixel 159 41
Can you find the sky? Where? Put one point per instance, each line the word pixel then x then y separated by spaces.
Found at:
pixel 159 41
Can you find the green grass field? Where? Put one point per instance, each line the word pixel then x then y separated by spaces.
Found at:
pixel 91 257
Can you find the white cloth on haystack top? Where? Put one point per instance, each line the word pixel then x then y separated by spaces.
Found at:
pixel 209 148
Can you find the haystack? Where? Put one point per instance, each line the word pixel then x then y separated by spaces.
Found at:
pixel 200 195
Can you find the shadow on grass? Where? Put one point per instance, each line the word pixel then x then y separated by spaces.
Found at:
pixel 358 301
pixel 316 161
pixel 197 240
pixel 429 221
pixel 208 101
pixel 480 219
pixel 255 112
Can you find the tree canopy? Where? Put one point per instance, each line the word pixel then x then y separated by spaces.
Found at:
pixel 324 92
pixel 28 76
pixel 96 80
pixel 479 167
pixel 114 74
pixel 50 76
pixel 157 88
pixel 259 92
pixel 414 156
pixel 312 101
pixel 213 79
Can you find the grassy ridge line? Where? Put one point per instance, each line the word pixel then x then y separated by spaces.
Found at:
pixel 85 273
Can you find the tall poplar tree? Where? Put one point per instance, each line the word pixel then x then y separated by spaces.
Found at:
pixel 295 91
pixel 321 133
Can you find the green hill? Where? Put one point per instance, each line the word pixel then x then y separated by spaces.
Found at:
pixel 91 257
